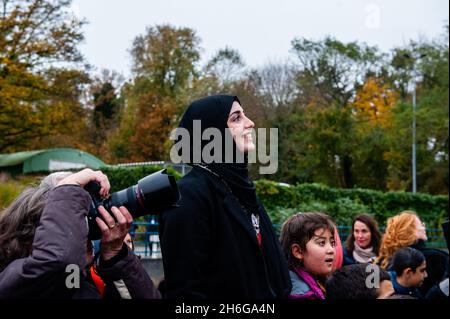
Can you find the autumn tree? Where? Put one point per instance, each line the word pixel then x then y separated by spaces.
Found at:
pixel 373 109
pixel 374 103
pixel 430 60
pixel 164 69
pixel 164 58
pixel 333 69
pixel 329 72
pixel 38 40
pixel 102 105
pixel 67 86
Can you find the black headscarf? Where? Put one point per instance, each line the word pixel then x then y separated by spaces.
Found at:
pixel 213 111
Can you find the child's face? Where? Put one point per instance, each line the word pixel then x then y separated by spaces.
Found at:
pixel 319 255
pixel 416 278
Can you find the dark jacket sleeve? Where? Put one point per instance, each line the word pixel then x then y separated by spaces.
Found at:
pixel 60 240
pixel 185 244
pixel 126 278
pixel 348 258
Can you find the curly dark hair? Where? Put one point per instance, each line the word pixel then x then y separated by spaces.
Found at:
pixel 350 282
pixel 18 224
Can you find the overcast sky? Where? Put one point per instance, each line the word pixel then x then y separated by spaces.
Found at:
pixel 261 30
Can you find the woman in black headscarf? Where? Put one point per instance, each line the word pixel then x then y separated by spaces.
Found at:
pixel 220 243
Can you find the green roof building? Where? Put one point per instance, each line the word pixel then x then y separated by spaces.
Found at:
pixel 44 161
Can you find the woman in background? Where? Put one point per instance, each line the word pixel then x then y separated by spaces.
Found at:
pixel 363 244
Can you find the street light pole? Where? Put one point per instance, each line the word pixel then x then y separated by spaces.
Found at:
pixel 414 74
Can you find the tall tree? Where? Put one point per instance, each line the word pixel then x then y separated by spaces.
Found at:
pixel 165 57
pixel 103 104
pixel 35 36
pixel 330 72
pixel 428 63
pixel 373 109
pixel 334 69
pixel 227 65
pixel 164 67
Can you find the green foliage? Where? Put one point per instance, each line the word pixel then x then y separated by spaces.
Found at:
pixel 350 122
pixel 344 204
pixel 11 188
pixel 164 66
pixel 343 109
pixel 9 191
pixel 35 96
pixel 164 57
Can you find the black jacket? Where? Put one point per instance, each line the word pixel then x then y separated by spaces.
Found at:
pixel 437 264
pixel 59 254
pixel 209 246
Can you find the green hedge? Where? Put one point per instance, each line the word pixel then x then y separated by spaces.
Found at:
pixel 342 204
pixel 283 201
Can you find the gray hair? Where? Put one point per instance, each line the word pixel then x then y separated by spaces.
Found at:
pixel 54 178
pixel 19 221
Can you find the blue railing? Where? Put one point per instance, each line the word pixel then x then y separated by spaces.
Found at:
pixel 146 237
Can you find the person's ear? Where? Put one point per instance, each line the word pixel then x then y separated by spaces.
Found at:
pixel 408 272
pixel 297 251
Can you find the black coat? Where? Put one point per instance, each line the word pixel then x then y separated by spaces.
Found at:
pixel 210 249
pixel 437 265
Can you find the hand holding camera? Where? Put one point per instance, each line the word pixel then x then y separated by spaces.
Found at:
pixel 151 195
pixel 86 176
pixel 113 230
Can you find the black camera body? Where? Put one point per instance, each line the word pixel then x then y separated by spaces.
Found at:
pixel 150 196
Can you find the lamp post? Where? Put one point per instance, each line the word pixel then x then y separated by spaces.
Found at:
pixel 414 173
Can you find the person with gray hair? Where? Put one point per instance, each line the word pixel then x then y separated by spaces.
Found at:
pixel 44 237
pixel 54 178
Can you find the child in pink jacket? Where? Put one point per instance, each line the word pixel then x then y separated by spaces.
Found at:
pixel 308 240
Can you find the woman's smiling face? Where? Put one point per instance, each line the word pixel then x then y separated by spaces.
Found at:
pixel 362 234
pixel 241 127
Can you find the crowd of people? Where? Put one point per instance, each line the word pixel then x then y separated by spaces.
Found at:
pixel 217 243
pixel 397 266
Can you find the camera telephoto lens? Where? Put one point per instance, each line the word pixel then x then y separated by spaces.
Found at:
pixel 150 196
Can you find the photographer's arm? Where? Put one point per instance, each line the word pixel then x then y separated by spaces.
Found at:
pixel 120 269
pixel 60 240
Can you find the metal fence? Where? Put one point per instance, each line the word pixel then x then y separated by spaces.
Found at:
pixel 146 237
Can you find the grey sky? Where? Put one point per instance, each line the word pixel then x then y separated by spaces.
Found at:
pixel 261 30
